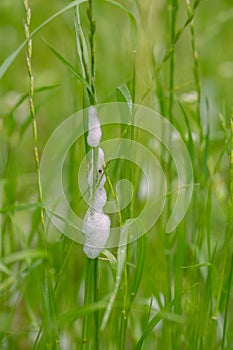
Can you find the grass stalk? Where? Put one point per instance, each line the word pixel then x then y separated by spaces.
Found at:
pixel 91 287
pixel 32 111
pixel 95 299
pixel 173 19
pixel 227 242
pixel 182 298
pixel 196 73
pixel 48 301
pixel 92 49
pixel 86 327
pixel 90 329
pixel 227 305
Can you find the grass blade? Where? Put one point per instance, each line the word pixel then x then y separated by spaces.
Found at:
pixel 153 322
pixel 121 256
pixel 50 325
pixel 132 19
pixel 140 264
pixel 24 255
pixel 10 59
pixel 123 95
pixel 82 47
pixel 69 66
pixel 72 315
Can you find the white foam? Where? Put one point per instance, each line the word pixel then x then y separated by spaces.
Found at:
pixel 94 128
pixel 96 224
pixel 96 228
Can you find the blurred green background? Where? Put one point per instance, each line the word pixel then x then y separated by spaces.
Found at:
pixel 58 95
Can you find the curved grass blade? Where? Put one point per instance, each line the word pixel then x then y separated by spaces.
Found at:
pixel 111 258
pixel 123 95
pixel 68 66
pixel 4 269
pixel 140 263
pixel 82 47
pixel 7 283
pixel 37 90
pixel 121 254
pixel 24 255
pixel 153 322
pixel 20 207
pixel 227 305
pixel 190 137
pixel 73 315
pixel 132 19
pixel 10 59
pixel 49 318
pixel 204 264
pixel 133 29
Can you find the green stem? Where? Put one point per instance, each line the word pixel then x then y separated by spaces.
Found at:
pixel 48 304
pixel 92 48
pixel 174 10
pixel 91 278
pixel 123 328
pixel 226 248
pixel 227 305
pixel 95 299
pixel 87 301
pixel 91 296
pixel 196 74
pixel 231 166
pixel 95 170
pixel 228 238
pixel 32 112
pixel 173 18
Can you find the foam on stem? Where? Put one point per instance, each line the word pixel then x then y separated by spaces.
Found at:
pixel 94 128
pixel 96 224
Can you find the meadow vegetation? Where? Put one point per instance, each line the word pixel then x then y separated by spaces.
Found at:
pixel 163 291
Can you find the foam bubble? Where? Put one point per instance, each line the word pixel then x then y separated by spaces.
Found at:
pixel 96 228
pixel 94 128
pixel 96 224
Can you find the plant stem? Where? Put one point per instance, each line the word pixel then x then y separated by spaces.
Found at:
pixel 91 279
pixel 174 10
pixel 92 49
pixel 48 302
pixel 32 112
pixel 227 240
pixel 173 18
pixel 90 297
pixel 227 304
pixel 87 301
pixel 95 299
pixel 231 167
pixel 196 74
pixel 95 153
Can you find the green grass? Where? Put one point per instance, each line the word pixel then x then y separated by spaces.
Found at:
pixel 163 291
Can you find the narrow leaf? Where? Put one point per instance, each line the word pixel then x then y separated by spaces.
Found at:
pixel 81 46
pixel 132 19
pixel 121 255
pixel 124 95
pixel 10 59
pixel 150 326
pixel 23 255
pixel 68 66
